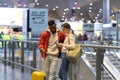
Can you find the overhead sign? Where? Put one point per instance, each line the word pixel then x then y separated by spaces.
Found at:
pixel 88 27
pixel 38 19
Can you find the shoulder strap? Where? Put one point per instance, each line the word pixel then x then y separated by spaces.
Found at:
pixel 68 39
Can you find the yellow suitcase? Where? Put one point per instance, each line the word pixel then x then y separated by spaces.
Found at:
pixel 38 75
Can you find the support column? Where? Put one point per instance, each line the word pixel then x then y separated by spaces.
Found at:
pixel 106 11
pixel 100 52
pixel 106 15
pixel 118 22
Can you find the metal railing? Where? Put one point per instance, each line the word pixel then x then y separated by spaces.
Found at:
pixel 99 50
pixel 25 45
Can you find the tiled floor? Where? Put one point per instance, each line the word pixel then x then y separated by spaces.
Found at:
pixel 7 73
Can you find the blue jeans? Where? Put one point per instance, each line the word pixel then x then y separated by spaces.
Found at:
pixel 63 72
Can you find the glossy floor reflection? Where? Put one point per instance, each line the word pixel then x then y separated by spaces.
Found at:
pixel 7 73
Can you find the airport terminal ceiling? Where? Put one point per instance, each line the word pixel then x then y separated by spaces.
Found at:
pixel 67 9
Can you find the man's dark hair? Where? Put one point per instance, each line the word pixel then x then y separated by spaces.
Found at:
pixel 51 22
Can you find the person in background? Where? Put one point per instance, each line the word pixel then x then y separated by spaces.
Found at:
pixel 69 43
pixel 85 38
pixel 1 37
pixel 79 38
pixel 49 49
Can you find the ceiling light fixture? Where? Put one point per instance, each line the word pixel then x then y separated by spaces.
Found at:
pixel 91 4
pixel 81 13
pixel 75 3
pixel 78 8
pixel 46 5
pixel 37 3
pixel 56 7
pixel 36 0
pixel 90 10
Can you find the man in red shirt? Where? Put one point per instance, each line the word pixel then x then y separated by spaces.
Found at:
pixel 49 49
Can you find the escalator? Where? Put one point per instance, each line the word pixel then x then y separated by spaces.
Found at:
pixel 105 74
pixel 114 67
pixel 114 60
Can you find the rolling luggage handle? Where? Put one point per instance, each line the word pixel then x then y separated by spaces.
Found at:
pixel 39 74
pixel 41 66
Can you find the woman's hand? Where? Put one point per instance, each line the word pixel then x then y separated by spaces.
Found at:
pixel 59 44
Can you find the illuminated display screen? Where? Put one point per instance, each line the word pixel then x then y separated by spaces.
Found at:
pixel 11 16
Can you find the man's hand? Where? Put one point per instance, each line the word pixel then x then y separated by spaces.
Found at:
pixel 42 50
